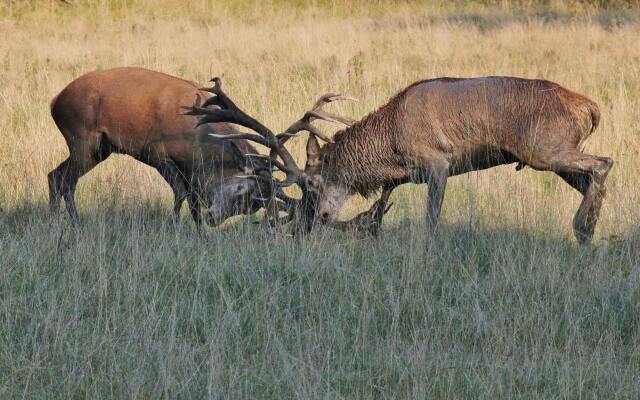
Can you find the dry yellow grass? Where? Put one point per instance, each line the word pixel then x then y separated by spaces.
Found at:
pixel 275 65
pixel 330 317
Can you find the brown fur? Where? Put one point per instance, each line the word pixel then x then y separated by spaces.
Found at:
pixel 364 160
pixel 138 112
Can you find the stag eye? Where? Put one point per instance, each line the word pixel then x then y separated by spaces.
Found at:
pixel 313 183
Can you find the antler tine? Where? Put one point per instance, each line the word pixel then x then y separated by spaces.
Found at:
pixel 196 105
pixel 247 136
pixel 290 201
pixel 282 167
pixel 217 90
pixel 330 97
pixel 331 117
pixel 304 123
pixel 316 112
pixel 213 101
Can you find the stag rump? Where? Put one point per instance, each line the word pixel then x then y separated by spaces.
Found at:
pixel 435 129
pixel 137 112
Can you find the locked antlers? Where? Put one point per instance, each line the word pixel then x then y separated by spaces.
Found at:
pixel 228 111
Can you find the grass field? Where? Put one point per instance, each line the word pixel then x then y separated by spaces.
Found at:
pixel 505 304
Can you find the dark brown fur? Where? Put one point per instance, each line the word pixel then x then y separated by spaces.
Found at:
pixel 445 127
pixel 138 112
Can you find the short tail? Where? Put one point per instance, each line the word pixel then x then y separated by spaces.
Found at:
pixel 595 116
pixel 594 111
pixel 53 102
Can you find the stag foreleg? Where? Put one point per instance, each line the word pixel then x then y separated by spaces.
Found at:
pixel 174 178
pixel 370 221
pixel 436 179
pixel 194 207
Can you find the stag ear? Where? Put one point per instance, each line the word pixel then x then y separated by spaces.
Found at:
pixel 313 155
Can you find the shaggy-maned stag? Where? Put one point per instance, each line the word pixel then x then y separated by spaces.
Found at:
pixel 137 112
pixel 439 128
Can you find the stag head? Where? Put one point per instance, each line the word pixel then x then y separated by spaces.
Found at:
pixel 236 196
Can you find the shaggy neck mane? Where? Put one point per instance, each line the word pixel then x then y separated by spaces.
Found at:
pixel 363 156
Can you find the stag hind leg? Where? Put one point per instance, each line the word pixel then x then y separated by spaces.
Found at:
pixel 56 180
pixel 63 181
pixel 84 155
pixel 586 174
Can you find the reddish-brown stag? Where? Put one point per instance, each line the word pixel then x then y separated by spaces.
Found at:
pixel 138 112
pixel 438 128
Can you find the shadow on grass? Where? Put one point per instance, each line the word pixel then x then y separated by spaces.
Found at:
pixel 460 237
pixel 28 216
pixel 461 234
pixel 31 218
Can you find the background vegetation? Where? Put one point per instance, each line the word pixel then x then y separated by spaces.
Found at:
pixel 504 305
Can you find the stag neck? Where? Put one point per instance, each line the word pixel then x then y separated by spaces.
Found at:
pixel 363 156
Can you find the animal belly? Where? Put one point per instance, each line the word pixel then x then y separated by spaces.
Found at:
pixel 479 159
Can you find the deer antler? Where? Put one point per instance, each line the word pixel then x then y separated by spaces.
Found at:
pixel 316 112
pixel 227 111
pixel 230 112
